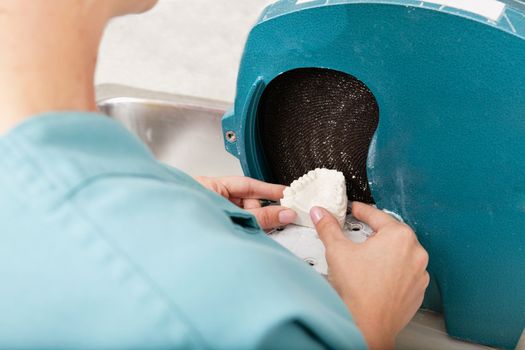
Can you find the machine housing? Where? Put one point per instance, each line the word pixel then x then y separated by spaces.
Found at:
pixel 447 152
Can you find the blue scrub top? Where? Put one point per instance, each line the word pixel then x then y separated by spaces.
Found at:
pixel 102 246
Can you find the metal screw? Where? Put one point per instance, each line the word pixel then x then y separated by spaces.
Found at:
pixel 231 137
pixel 310 261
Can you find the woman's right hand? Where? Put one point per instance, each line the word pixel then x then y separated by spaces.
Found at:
pixel 383 280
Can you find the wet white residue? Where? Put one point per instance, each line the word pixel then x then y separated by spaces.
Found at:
pixel 401 189
pixel 394 215
pixel 371 160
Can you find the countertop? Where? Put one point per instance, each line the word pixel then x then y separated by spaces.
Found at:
pixel 182 47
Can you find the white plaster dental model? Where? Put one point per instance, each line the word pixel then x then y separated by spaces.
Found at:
pixel 320 187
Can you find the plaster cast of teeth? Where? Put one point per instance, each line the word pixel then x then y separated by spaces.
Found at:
pixel 320 187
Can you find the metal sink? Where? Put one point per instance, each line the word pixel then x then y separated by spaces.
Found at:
pixel 181 131
pixel 186 133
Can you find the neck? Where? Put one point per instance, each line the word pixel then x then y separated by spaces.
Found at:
pixel 48 58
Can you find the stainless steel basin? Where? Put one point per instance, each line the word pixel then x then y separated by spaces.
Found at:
pixel 181 131
pixel 186 133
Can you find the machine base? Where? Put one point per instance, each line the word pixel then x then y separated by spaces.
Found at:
pixel 305 243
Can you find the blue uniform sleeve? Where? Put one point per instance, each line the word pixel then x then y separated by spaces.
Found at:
pixel 291 336
pixel 232 285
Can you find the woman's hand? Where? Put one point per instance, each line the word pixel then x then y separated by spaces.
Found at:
pixel 247 193
pixel 383 280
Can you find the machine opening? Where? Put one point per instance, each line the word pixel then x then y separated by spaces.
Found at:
pixel 313 118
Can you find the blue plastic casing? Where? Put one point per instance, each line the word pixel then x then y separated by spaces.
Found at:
pixel 449 152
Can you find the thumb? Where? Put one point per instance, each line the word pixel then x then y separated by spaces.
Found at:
pixel 326 225
pixel 273 216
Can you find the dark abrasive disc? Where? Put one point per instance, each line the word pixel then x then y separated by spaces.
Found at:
pixel 318 118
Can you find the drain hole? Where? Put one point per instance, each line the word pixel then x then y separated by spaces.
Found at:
pixel 356 227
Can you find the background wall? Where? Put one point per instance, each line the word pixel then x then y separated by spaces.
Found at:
pixel 184 47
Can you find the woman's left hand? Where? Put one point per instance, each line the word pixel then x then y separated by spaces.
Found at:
pixel 247 193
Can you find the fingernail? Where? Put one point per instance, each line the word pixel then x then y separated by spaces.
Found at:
pixel 316 214
pixel 287 216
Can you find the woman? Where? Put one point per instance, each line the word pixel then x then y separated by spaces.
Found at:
pixel 104 247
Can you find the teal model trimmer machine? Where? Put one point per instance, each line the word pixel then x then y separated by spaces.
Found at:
pixel 421 104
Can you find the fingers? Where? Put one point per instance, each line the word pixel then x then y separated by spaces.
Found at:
pixel 326 225
pixel 237 201
pixel 245 187
pixel 212 185
pixel 273 216
pixel 251 204
pixel 371 216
